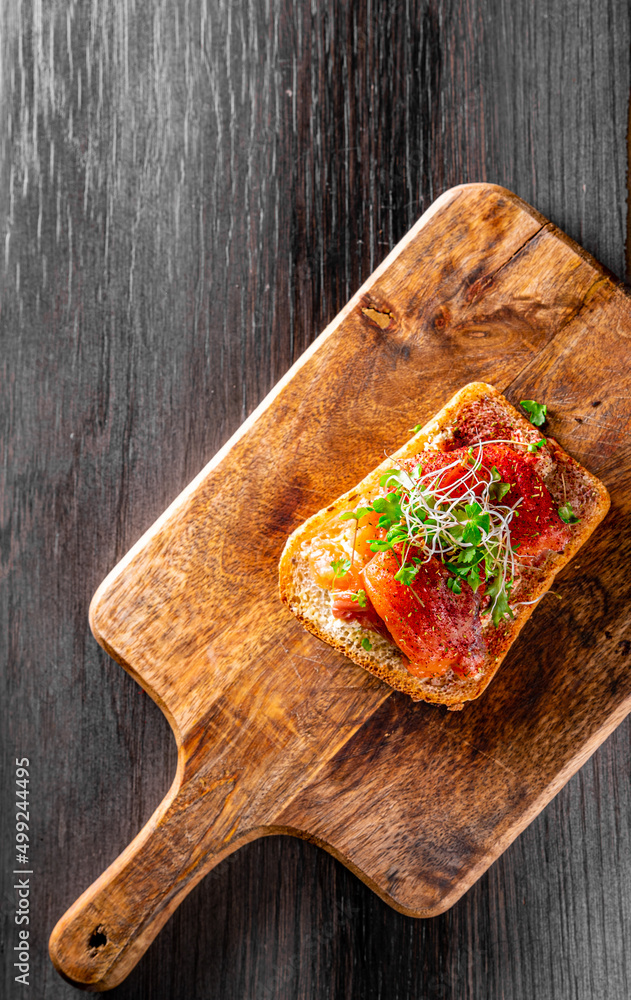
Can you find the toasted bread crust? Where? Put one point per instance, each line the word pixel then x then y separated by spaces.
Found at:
pixel 311 606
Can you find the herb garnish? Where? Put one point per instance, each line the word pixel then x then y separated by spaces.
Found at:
pixel 497 489
pixel 464 524
pixel 356 516
pixel 360 598
pixel 366 643
pixel 406 574
pixel 565 510
pixel 340 567
pixel 567 514
pixel 536 444
pixel 536 411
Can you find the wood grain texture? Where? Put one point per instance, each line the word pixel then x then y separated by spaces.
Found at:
pixel 190 192
pixel 258 706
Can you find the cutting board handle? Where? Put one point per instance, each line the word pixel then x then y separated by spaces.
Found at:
pixel 101 937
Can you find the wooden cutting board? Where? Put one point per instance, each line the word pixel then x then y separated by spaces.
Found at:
pixel 279 733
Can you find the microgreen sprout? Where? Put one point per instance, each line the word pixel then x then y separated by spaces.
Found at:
pixel 340 567
pixel 366 643
pixel 360 598
pixel 497 489
pixel 565 510
pixel 536 444
pixel 465 524
pixel 356 516
pixel 567 514
pixel 536 411
pixel 406 574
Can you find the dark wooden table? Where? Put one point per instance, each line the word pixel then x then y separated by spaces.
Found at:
pixel 190 192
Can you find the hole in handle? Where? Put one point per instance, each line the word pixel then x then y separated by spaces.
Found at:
pixel 98 938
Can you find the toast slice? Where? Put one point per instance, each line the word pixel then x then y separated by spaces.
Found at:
pixel 477 413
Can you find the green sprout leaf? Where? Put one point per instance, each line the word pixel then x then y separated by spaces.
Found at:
pixel 567 514
pixel 340 567
pixel 406 574
pixel 501 609
pixel 497 489
pixel 536 444
pixel 366 643
pixel 536 411
pixel 460 571
pixel 397 533
pixel 476 524
pixel 472 460
pixel 500 592
pixel 399 477
pixel 464 570
pixel 416 428
pixel 390 509
pixel 391 475
pixel 471 534
pixel 470 555
pixel 360 598
pixel 355 515
pixel 380 545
